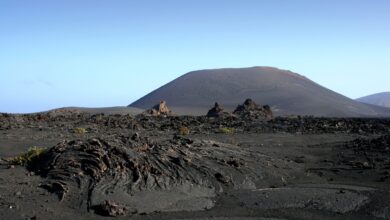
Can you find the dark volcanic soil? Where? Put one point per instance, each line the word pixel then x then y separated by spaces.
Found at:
pixel 195 167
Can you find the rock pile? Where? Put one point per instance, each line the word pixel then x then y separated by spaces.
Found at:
pixel 216 111
pixel 247 110
pixel 251 110
pixel 110 209
pixel 160 109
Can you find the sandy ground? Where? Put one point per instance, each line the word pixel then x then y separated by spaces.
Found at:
pixel 146 168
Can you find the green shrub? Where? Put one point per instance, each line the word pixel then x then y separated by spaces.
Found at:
pixel 25 158
pixel 79 130
pixel 184 131
pixel 226 130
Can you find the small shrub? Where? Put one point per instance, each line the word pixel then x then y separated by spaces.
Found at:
pixel 226 130
pixel 23 159
pixel 79 130
pixel 184 131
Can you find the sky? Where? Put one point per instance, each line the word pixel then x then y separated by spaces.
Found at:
pixel 96 53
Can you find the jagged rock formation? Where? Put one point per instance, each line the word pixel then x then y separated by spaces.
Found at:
pixel 251 110
pixel 180 171
pixel 216 111
pixel 160 109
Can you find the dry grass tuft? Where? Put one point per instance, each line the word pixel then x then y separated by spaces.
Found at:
pixel 25 158
pixel 226 130
pixel 79 130
pixel 184 131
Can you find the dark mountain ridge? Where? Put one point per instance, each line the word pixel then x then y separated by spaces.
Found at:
pixel 287 93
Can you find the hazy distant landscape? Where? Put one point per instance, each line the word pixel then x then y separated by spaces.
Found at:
pixel 379 99
pixel 195 110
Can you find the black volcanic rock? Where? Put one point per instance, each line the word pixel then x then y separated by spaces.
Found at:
pixel 251 110
pixel 140 166
pixel 286 92
pixel 216 111
pixel 249 105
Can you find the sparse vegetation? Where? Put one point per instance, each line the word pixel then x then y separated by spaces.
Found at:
pixel 25 158
pixel 184 131
pixel 79 130
pixel 225 130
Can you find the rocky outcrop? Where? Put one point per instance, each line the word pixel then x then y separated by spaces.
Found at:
pixel 121 175
pixel 247 110
pixel 110 209
pixel 216 111
pixel 251 110
pixel 160 109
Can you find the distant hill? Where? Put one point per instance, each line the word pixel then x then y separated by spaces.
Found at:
pixel 122 110
pixel 379 99
pixel 286 92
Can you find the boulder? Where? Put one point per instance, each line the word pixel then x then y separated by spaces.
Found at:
pixel 110 209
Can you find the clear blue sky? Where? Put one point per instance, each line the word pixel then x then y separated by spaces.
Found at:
pixel 57 53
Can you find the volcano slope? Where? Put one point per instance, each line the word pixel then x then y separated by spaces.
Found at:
pixel 379 99
pixel 286 92
pixel 186 167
